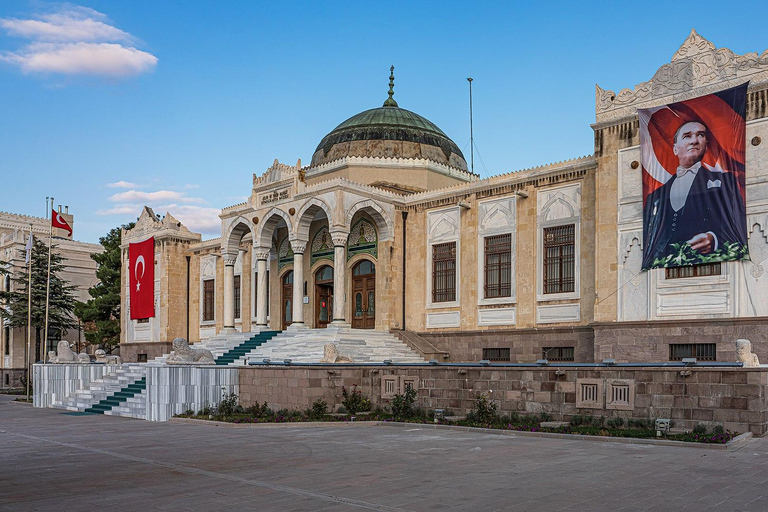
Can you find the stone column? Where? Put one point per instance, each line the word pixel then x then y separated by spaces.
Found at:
pixel 298 247
pixel 339 276
pixel 229 292
pixel 262 257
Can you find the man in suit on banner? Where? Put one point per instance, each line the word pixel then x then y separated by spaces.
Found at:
pixel 698 206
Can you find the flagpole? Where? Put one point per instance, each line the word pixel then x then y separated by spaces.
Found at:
pixel 48 287
pixel 29 309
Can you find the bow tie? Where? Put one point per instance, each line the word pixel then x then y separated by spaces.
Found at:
pixel 682 172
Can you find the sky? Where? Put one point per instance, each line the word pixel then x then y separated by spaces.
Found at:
pixel 112 105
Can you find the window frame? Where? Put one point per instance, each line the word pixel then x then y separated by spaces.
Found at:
pixel 437 221
pixel 558 206
pixel 208 315
pixel 696 271
pixel 568 240
pixel 238 289
pixel 448 274
pixel 501 248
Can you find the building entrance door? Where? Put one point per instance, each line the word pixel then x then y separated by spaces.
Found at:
pixel 364 295
pixel 287 299
pixel 323 296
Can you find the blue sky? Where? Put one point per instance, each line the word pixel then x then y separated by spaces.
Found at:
pixel 109 105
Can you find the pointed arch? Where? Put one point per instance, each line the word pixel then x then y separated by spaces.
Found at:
pixel 267 227
pixel 384 223
pixel 307 213
pixel 230 242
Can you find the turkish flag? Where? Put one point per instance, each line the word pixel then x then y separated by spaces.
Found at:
pixel 141 280
pixel 57 221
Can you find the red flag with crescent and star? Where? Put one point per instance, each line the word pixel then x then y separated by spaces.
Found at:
pixel 57 221
pixel 141 280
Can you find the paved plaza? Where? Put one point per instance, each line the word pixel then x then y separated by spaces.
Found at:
pixel 51 460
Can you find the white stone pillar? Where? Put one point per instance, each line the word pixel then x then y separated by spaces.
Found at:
pixel 298 247
pixel 229 292
pixel 262 257
pixel 339 277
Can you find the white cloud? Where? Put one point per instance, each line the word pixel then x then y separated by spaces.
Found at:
pixel 122 184
pixel 123 209
pixel 160 196
pixel 75 41
pixel 190 186
pixel 196 218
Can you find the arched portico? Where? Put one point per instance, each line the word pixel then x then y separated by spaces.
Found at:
pixel 382 220
pixel 230 248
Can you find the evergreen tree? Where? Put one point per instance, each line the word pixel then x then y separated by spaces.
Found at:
pixel 101 314
pixel 61 298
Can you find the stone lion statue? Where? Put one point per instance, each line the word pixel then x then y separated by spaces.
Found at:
pixel 182 353
pixel 64 354
pixel 83 358
pixel 102 357
pixel 744 353
pixel 331 355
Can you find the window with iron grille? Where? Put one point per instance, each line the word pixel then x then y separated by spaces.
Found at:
pixel 496 354
pixel 237 296
pixel 208 300
pixel 559 259
pixel 444 272
pixel 701 351
pixel 498 266
pixel 707 269
pixel 557 353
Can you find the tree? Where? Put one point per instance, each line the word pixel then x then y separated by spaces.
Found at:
pixel 61 298
pixel 101 314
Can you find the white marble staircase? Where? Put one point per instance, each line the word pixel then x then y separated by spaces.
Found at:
pixel 307 346
pixel 218 345
pixel 100 389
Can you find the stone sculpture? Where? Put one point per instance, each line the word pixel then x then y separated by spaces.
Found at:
pixel 102 357
pixel 63 354
pixel 182 353
pixel 83 358
pixel 331 355
pixel 744 353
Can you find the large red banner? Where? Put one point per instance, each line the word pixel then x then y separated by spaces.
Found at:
pixel 693 155
pixel 141 281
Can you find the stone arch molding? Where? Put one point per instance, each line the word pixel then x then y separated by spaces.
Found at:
pixel 237 229
pixel 267 227
pixel 307 213
pixel 383 222
pixel 558 207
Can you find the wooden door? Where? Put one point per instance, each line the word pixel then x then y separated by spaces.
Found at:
pixel 364 295
pixel 287 300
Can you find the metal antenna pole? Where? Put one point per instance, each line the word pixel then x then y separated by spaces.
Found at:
pixel 471 131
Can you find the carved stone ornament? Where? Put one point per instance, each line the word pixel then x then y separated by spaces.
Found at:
pixel 277 172
pixel 102 357
pixel 261 254
pixel 150 224
pixel 697 68
pixel 229 259
pixel 183 354
pixel 339 238
pixel 744 353
pixel 331 355
pixel 298 246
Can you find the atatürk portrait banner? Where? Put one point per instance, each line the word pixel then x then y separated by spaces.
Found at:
pixel 694 208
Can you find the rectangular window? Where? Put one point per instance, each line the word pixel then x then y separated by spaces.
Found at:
pixel 7 337
pixel 560 259
pixel 557 353
pixel 701 351
pixel 498 266
pixel 237 296
pixel 208 300
pixel 444 272
pixel 141 358
pixel 496 354
pixel 707 269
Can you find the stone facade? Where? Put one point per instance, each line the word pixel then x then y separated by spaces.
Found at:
pixel 79 271
pixel 606 308
pixel 733 398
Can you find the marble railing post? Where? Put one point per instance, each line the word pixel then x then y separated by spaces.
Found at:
pixel 262 256
pixel 298 247
pixel 229 292
pixel 339 276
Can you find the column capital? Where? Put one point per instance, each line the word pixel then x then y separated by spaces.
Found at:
pixel 261 253
pixel 298 246
pixel 339 238
pixel 229 259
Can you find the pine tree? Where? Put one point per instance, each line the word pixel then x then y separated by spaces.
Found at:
pixel 61 301
pixel 101 314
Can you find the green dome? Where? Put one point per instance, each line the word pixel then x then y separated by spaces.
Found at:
pixel 389 123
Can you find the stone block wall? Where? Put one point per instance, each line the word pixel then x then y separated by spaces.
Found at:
pixel 525 344
pixel 175 389
pixel 55 382
pixel 649 341
pixel 129 352
pixel 12 377
pixel 732 397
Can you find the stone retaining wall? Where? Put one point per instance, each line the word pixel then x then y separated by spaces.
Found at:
pixel 732 397
pixel 175 389
pixel 55 382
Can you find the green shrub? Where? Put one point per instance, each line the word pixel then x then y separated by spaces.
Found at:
pixel 402 405
pixel 228 403
pixel 615 422
pixel 319 410
pixel 484 410
pixel 718 430
pixel 354 401
pixel 576 420
pixel 700 429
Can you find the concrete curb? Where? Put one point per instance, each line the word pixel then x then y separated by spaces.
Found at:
pixel 734 444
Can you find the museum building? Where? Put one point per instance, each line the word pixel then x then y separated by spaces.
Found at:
pixel 387 229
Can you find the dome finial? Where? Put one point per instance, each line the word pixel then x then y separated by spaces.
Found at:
pixel 391 101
